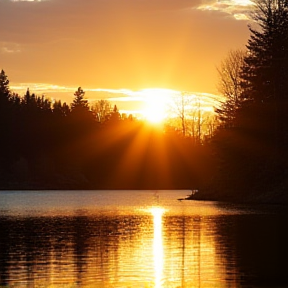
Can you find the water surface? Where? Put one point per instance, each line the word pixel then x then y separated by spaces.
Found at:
pixel 138 239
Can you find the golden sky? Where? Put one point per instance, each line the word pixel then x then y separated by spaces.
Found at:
pixel 119 44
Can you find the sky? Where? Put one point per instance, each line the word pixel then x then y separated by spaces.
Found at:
pixel 117 48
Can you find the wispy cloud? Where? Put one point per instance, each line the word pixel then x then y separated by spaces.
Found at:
pixel 239 9
pixel 40 88
pixel 9 48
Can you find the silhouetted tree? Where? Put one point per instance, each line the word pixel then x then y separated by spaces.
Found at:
pixel 81 117
pixel 80 111
pixel 4 87
pixel 79 102
pixel 115 115
pixel 180 107
pixel 27 97
pixel 187 113
pixel 197 120
pixel 15 99
pixel 61 109
pixel 255 153
pixel 44 103
pixel 229 85
pixel 265 73
pixel 102 110
pixel 266 60
pixel 5 118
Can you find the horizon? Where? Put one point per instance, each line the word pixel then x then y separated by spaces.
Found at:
pixel 138 103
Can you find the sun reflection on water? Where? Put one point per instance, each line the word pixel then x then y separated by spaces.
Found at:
pixel 158 251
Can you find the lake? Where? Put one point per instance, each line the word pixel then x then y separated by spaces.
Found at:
pixel 139 239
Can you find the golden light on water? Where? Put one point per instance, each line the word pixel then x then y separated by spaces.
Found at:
pixel 158 250
pixel 150 248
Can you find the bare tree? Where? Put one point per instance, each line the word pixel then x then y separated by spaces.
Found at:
pixel 229 85
pixel 190 116
pixel 198 118
pixel 211 124
pixel 180 107
pixel 102 110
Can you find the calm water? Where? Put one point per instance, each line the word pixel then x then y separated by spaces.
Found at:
pixel 138 239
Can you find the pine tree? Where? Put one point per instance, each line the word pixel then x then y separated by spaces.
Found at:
pixel 6 123
pixel 265 74
pixel 5 103
pixel 80 114
pixel 60 109
pixel 263 116
pixel 4 88
pixel 115 115
pixel 79 102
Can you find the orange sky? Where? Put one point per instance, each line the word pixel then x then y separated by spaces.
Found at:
pixel 119 44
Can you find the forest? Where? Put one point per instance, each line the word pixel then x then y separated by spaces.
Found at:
pixel 47 145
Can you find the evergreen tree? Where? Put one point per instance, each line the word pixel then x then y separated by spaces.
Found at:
pixel 265 72
pixel 60 109
pixel 4 83
pixel 4 91
pixel 256 152
pixel 5 107
pixel 28 99
pixel 7 124
pixel 79 102
pixel 115 115
pixel 81 116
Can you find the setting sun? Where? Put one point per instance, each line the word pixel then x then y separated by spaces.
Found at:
pixel 156 104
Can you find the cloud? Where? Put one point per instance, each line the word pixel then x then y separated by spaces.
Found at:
pixel 8 48
pixel 39 88
pixel 239 9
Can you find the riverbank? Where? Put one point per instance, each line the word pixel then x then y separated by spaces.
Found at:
pixel 272 197
pixel 276 196
pixel 75 180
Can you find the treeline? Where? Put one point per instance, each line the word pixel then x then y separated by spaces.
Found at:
pixel 252 140
pixel 48 145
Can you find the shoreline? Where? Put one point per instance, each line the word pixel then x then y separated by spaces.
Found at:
pixel 270 198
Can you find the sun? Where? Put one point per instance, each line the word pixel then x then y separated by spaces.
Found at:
pixel 154 110
pixel 156 102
